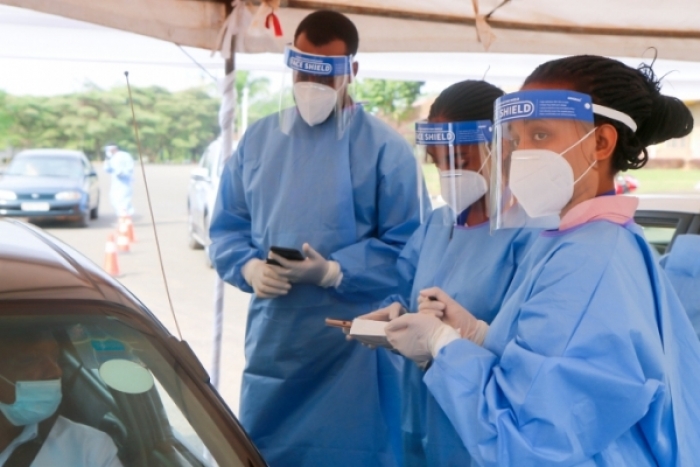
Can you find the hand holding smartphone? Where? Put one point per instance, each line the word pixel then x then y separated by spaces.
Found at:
pixel 286 253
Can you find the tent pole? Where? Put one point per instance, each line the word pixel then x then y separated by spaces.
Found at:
pixel 226 120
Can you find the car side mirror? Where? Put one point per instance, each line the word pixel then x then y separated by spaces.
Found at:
pixel 200 174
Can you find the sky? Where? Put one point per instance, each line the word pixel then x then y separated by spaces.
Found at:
pixel 43 54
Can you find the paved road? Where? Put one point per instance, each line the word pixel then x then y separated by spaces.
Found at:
pixel 190 280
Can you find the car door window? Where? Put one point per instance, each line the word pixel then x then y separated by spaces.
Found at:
pixel 662 227
pixel 119 379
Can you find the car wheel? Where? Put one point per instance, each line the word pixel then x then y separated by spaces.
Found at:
pixel 84 220
pixel 192 242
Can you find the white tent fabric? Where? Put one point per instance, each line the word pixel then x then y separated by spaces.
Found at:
pixel 622 28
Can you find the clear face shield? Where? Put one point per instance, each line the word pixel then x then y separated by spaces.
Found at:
pixel 544 159
pixel 316 92
pixel 460 152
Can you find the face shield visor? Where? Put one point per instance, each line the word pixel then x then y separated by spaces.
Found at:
pixel 544 158
pixel 316 92
pixel 460 152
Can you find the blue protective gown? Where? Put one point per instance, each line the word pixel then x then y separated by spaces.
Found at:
pixel 121 166
pixel 590 362
pixel 473 267
pixel 682 266
pixel 309 397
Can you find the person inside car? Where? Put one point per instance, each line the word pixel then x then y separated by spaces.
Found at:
pixel 31 430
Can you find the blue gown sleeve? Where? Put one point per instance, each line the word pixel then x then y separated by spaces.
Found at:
pixel 369 266
pixel 230 229
pixel 682 266
pixel 569 382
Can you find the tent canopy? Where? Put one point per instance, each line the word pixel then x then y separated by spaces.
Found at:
pixel 623 28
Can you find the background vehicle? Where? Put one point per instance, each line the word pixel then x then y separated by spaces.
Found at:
pixel 173 417
pixel 625 184
pixel 43 184
pixel 666 216
pixel 201 196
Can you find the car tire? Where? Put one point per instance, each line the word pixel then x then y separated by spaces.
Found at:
pixel 84 220
pixel 192 242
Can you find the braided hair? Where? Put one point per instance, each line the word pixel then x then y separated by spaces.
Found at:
pixel 466 101
pixel 633 91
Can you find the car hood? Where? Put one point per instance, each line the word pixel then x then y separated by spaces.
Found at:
pixel 23 184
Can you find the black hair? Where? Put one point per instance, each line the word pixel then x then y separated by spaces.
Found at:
pixel 324 26
pixel 634 92
pixel 466 101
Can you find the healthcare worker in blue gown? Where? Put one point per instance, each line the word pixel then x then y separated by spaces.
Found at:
pixel 336 183
pixel 682 265
pixel 591 360
pixel 120 165
pixel 453 254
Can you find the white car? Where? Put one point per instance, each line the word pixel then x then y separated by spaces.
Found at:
pixel 201 196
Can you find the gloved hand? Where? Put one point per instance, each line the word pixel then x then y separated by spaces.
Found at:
pixel 264 280
pixel 419 336
pixel 449 311
pixel 315 269
pixel 387 313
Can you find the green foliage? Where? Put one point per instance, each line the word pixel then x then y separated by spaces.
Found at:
pixel 261 101
pixel 172 126
pixel 5 120
pixel 392 100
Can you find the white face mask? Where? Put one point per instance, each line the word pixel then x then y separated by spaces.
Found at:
pixel 461 188
pixel 315 101
pixel 542 181
pixel 35 401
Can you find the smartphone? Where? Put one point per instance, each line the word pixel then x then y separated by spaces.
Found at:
pixel 339 323
pixel 286 253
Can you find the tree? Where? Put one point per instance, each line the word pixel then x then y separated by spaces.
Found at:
pixel 390 100
pixel 261 101
pixel 5 121
pixel 172 126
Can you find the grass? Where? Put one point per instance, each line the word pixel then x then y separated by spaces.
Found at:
pixel 667 180
pixel 650 180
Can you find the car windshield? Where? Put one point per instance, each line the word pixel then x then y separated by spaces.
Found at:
pixel 119 378
pixel 46 166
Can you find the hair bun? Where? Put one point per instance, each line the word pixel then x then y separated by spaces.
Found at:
pixel 669 118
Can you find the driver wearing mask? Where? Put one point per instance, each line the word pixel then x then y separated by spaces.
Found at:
pixel 31 431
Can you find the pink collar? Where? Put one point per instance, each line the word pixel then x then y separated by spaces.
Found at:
pixel 617 209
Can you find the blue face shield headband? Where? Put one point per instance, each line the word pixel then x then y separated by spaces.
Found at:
pixel 554 104
pixel 318 65
pixel 453 133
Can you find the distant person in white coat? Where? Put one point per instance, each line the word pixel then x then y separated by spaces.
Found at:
pixel 121 165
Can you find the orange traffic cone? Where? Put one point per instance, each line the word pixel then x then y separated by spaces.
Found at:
pixel 111 261
pixel 130 229
pixel 123 238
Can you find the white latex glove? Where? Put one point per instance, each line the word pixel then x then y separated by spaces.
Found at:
pixel 264 280
pixel 315 269
pixel 419 336
pixel 387 313
pixel 450 312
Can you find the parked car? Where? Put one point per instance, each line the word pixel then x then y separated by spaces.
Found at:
pixel 201 196
pixel 665 216
pixel 57 184
pixel 625 184
pixel 122 372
